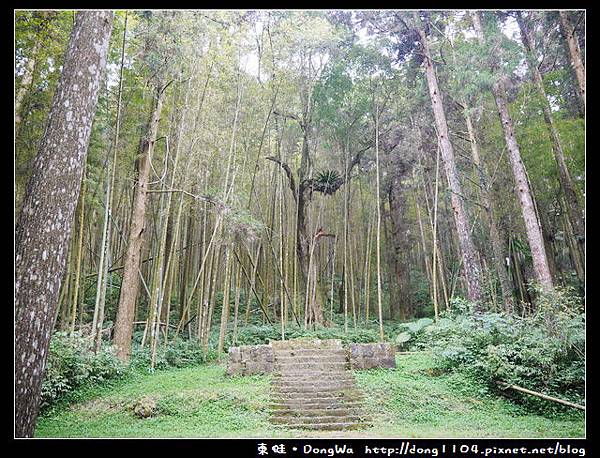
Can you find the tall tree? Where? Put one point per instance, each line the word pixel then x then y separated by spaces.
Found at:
pixel 532 224
pixel 137 227
pixel 469 256
pixel 44 226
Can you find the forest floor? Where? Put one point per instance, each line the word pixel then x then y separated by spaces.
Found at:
pixel 410 401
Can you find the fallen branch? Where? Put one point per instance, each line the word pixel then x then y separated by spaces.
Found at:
pixel 505 386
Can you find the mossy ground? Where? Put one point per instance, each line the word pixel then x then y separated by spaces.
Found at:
pixel 409 401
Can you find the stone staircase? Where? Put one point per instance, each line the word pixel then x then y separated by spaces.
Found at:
pixel 313 388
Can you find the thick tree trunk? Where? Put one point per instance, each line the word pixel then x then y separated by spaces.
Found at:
pixel 470 261
pixel 130 283
pixel 573 207
pixel 44 227
pixel 575 53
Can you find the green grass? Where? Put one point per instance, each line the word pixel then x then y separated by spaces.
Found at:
pixel 409 401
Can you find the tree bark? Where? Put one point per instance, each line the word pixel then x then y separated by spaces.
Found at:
pixel 470 261
pixel 130 283
pixel 44 226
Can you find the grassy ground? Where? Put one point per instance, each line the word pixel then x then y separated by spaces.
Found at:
pixel 409 401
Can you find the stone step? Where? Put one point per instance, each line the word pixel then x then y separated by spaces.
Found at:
pixel 314 373
pixel 309 352
pixel 314 385
pixel 304 420
pixel 310 391
pixel 345 393
pixel 319 396
pixel 320 412
pixel 324 358
pixel 291 384
pixel 303 343
pixel 328 426
pixel 315 365
pixel 311 376
pixel 354 407
pixel 325 400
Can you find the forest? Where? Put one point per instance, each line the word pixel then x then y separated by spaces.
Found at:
pixel 186 181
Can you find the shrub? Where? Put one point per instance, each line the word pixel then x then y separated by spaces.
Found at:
pixel 180 353
pixel 543 352
pixel 411 331
pixel 71 364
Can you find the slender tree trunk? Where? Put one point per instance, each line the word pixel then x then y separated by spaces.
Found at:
pixel 130 283
pixel 236 304
pixel 44 226
pixel 470 262
pixel 378 232
pixel 102 273
pixel 225 305
pixel 79 257
pixel 436 307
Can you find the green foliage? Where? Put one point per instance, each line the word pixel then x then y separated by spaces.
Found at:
pixel 544 352
pixel 181 353
pixel 327 181
pixel 412 330
pixel 71 365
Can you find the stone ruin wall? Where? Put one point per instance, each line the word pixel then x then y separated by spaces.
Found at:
pixel 250 360
pixel 258 359
pixel 372 355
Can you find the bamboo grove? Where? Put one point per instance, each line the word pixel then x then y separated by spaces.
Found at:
pixel 313 168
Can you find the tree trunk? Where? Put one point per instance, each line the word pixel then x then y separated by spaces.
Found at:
pixel 401 247
pixel 130 283
pixel 573 208
pixel 26 81
pixel 470 261
pixel 44 226
pixel 378 231
pixel 575 53
pixel 487 201
pixel 532 225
